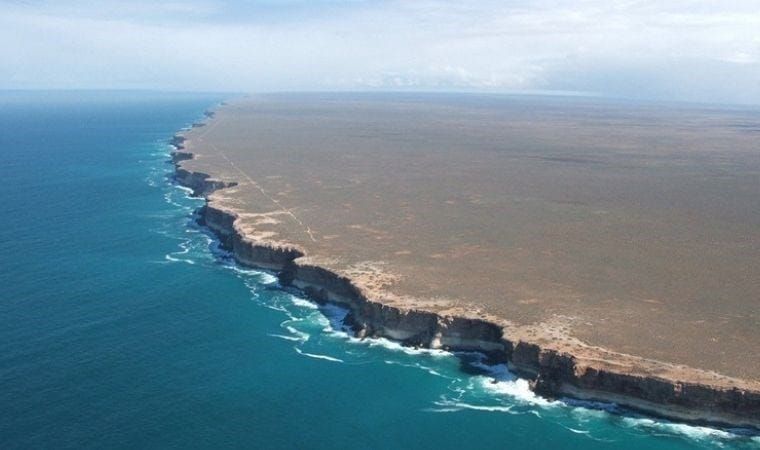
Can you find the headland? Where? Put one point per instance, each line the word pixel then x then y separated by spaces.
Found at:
pixel 606 252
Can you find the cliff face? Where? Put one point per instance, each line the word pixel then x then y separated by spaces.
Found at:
pixel 557 374
pixel 552 373
pixel 412 327
pixel 201 183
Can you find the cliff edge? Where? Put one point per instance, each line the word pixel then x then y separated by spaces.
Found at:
pixel 556 367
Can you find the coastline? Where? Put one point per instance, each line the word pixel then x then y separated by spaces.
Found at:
pixel 599 375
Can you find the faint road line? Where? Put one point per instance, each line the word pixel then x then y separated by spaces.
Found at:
pixel 282 208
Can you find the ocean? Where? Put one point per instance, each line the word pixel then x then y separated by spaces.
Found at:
pixel 122 325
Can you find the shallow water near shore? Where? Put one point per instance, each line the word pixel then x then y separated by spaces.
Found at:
pixel 123 325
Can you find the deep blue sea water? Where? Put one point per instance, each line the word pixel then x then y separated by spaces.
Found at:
pixel 122 325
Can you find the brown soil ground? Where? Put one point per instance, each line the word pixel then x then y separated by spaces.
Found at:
pixel 635 228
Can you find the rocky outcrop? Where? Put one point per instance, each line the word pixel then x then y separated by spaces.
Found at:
pixel 413 327
pixel 556 374
pixel 200 183
pixel 178 155
pixel 552 373
pixel 178 141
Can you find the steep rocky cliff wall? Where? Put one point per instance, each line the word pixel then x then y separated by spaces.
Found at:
pixel 553 373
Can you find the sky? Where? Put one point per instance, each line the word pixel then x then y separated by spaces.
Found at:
pixel 691 50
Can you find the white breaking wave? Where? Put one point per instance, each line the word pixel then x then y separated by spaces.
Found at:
pixel 302 303
pixel 427 369
pixel 442 410
pixel 258 277
pixel 282 336
pixel 185 246
pixel 266 278
pixel 184 189
pixel 276 308
pixel 336 316
pixel 518 389
pixel 169 200
pixel 315 356
pixel 694 432
pixel 303 337
pixel 498 372
pixel 454 406
pixel 397 347
pixel 169 257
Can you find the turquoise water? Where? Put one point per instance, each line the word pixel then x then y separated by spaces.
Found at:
pixel 123 326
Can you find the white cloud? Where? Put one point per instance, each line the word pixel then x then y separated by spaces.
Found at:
pixel 679 49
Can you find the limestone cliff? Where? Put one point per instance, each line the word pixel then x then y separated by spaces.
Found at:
pixel 628 381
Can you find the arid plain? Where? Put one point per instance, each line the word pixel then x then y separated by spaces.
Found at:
pixel 633 228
